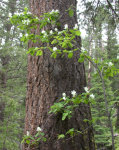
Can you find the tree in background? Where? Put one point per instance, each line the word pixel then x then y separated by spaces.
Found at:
pixel 103 20
pixel 12 78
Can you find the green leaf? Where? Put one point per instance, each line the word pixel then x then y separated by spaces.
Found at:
pixel 70 55
pixel 61 136
pixel 71 12
pixel 70 131
pixel 78 33
pixel 41 133
pixel 54 55
pixel 81 59
pixel 27 141
pixel 64 116
pixel 44 139
pixel 39 53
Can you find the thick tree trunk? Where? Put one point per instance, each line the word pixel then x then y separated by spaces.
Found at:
pixel 48 78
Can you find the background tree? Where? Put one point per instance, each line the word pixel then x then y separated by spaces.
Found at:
pixel 12 78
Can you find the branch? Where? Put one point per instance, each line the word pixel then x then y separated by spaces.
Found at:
pixel 110 6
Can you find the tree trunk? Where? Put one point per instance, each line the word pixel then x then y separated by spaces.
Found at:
pixel 48 78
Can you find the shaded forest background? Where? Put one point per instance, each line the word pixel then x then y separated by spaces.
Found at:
pixel 99 19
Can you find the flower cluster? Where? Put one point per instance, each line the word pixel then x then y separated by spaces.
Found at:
pixel 75 27
pixel 66 26
pixel 44 33
pixel 110 64
pixel 38 129
pixel 92 96
pixel 54 11
pixel 73 93
pixel 54 49
pixel 26 22
pixel 64 96
pixel 86 89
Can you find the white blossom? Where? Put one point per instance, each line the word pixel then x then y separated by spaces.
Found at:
pixel 57 10
pixel 51 32
pixel 52 11
pixel 10 15
pixel 39 129
pixel 27 133
pixel 26 34
pixel 26 22
pixel 20 34
pixel 92 96
pixel 66 26
pixel 43 32
pixel 29 13
pixel 110 64
pixel 83 50
pixel 86 89
pixel 56 29
pixel 37 18
pixel 76 26
pixel 64 98
pixel 54 48
pixel 18 14
pixel 73 93
pixel 64 94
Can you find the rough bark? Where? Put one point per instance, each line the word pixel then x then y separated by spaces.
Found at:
pixel 48 78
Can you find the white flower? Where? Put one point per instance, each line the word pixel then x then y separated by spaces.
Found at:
pixel 83 50
pixel 26 34
pixel 10 15
pixel 56 29
pixel 26 22
pixel 39 129
pixel 110 64
pixel 27 133
pixel 76 26
pixel 86 89
pixel 29 13
pixel 73 93
pixel 43 32
pixel 37 18
pixel 64 98
pixel 64 94
pixel 54 48
pixel 18 14
pixel 66 26
pixel 52 11
pixel 20 34
pixel 57 10
pixel 92 96
pixel 51 32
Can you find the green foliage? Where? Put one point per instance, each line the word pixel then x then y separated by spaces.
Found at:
pixel 34 140
pixel 63 42
pixel 12 79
